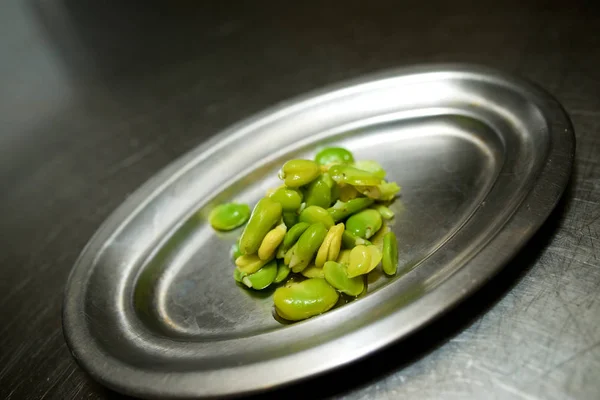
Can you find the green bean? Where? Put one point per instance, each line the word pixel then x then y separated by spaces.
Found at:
pixel 315 214
pixel 346 174
pixel 296 173
pixel 336 275
pixel 289 199
pixel 265 215
pixel 341 210
pixel 228 216
pixel 389 260
pixel 365 223
pixel 261 278
pixel 318 192
pixel 304 299
pixel 282 272
pixel 334 155
pixel 307 246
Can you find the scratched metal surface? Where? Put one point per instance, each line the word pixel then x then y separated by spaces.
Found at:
pixel 96 99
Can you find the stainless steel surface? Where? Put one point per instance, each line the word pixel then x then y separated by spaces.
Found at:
pixel 98 96
pixel 151 308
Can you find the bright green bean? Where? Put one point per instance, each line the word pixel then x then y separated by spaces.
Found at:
pixel 228 216
pixel 336 275
pixel 315 214
pixel 334 155
pixel 341 210
pixel 365 223
pixel 389 261
pixel 304 299
pixel 296 173
pixel 266 215
pixel 261 278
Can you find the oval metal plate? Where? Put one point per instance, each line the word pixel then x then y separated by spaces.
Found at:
pixel 151 308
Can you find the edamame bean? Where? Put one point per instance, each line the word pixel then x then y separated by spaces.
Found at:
pixel 304 299
pixel 330 248
pixel 282 272
pixel 228 216
pixel 341 210
pixel 271 241
pixel 363 259
pixel 307 246
pixel 346 174
pixel 265 215
pixel 371 166
pixel 318 192
pixel 250 263
pixel 389 261
pixel 315 214
pixel 263 277
pixel 290 199
pixel 334 155
pixel 365 223
pixel 296 173
pixel 336 275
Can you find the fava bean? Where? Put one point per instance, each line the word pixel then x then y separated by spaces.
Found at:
pixel 318 192
pixel 296 173
pixel 282 272
pixel 315 214
pixel 336 275
pixel 263 277
pixel 349 240
pixel 290 199
pixel 266 215
pixel 307 246
pixel 389 260
pixel 346 174
pixel 313 271
pixel 250 263
pixel 334 155
pixel 341 210
pixel 363 259
pixel 371 166
pixel 304 299
pixel 365 223
pixel 330 248
pixel 272 240
pixel 228 216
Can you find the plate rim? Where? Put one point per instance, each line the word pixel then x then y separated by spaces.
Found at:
pixel 550 184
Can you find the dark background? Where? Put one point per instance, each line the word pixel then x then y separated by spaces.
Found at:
pixel 96 97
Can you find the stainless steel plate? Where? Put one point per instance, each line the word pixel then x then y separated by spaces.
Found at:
pixel 151 308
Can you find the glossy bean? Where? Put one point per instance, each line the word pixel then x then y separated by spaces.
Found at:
pixel 250 263
pixel 334 155
pixel 261 278
pixel 371 166
pixel 228 216
pixel 349 240
pixel 389 260
pixel 318 192
pixel 363 259
pixel 266 215
pixel 341 210
pixel 296 173
pixel 271 241
pixel 304 299
pixel 346 174
pixel 330 248
pixel 315 214
pixel 312 271
pixel 365 223
pixel 290 218
pixel 283 272
pixel 385 212
pixel 307 246
pixel 336 275
pixel 290 199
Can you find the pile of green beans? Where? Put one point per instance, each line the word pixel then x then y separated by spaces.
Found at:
pixel 318 235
